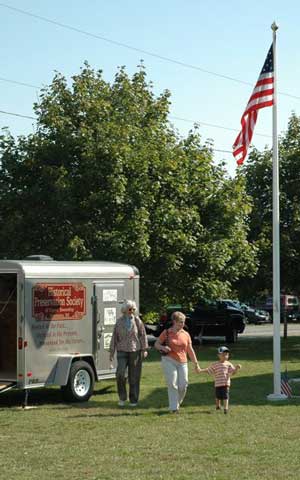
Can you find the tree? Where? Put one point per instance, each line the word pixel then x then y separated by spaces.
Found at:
pixel 106 176
pixel 258 176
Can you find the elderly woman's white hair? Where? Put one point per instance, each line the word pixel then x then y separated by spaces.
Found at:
pixel 127 305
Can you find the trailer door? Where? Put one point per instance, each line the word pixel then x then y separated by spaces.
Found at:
pixel 109 298
pixel 9 308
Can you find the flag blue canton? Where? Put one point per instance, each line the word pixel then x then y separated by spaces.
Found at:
pixel 268 65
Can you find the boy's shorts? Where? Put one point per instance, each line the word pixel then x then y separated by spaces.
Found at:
pixel 222 393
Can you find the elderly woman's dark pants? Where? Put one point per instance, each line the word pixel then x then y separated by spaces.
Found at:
pixel 131 362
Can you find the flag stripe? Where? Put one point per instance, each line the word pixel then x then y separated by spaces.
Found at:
pixel 262 96
pixel 286 390
pixel 265 78
pixel 285 386
pixel 258 100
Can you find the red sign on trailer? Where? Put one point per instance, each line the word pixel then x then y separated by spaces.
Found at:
pixel 58 301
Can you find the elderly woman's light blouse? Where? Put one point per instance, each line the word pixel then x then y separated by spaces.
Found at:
pixel 128 341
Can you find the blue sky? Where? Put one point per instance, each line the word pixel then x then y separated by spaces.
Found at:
pixel 228 38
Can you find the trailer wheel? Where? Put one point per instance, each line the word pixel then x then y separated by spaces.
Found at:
pixel 80 384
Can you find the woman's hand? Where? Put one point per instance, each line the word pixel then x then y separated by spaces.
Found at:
pixel 165 349
pixel 145 354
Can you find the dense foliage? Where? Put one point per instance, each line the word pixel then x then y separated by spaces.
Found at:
pixel 258 176
pixel 106 177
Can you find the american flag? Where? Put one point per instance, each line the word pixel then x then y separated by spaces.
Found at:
pixel 262 96
pixel 285 386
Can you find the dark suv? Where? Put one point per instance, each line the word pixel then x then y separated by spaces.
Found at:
pixel 208 318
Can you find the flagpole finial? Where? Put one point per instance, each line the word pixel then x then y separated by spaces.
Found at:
pixel 274 27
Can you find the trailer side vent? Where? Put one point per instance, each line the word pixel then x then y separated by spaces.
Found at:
pixel 42 258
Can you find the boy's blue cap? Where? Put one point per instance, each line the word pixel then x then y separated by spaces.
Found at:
pixel 223 349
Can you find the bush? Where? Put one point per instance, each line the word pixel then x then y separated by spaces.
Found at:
pixel 150 317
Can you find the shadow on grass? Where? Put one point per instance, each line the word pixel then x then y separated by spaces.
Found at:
pixel 127 412
pixel 245 390
pixel 49 396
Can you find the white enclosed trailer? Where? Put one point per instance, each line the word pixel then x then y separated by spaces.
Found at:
pixel 56 322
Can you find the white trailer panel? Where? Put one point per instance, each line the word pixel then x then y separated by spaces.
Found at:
pixel 56 321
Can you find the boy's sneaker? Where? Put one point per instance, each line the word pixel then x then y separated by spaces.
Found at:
pixel 133 404
pixel 121 403
pixel 225 411
pixel 218 408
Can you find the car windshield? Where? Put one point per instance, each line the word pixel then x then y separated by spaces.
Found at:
pixel 231 303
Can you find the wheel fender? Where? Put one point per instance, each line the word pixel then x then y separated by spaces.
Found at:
pixel 63 366
pixel 237 322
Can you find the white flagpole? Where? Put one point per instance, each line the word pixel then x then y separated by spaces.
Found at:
pixel 276 395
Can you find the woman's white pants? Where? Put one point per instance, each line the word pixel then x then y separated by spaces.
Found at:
pixel 176 375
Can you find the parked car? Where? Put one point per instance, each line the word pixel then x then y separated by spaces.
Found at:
pixel 293 316
pixel 208 318
pixel 253 315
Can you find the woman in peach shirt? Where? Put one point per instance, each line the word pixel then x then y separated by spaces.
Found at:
pixel 176 345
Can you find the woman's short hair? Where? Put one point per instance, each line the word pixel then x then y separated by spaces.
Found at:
pixel 128 304
pixel 177 316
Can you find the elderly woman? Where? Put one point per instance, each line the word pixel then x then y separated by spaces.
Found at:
pixel 175 344
pixel 129 339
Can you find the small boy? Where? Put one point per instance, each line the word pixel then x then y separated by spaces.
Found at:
pixel 222 371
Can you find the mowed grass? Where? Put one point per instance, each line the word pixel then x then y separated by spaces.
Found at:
pixel 98 440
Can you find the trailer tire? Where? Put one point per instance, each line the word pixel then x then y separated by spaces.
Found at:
pixel 80 384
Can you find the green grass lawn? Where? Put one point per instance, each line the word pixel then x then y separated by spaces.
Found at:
pixel 98 440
